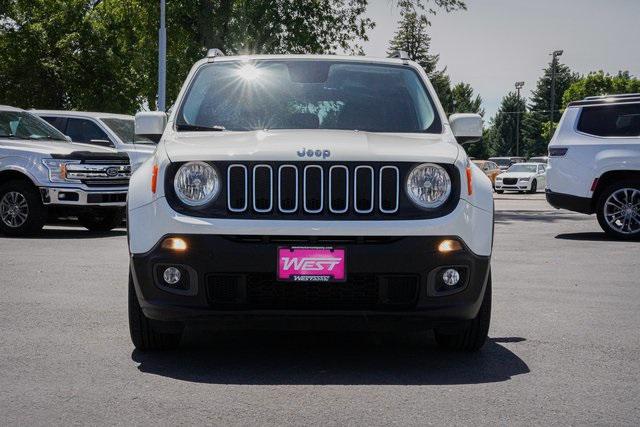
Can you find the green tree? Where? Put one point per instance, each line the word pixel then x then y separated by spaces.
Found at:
pixel 464 100
pixel 534 143
pixel 412 37
pixel 500 137
pixel 92 54
pixel 599 83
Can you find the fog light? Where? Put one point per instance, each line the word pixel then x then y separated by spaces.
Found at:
pixel 450 277
pixel 174 244
pixel 449 246
pixel 172 275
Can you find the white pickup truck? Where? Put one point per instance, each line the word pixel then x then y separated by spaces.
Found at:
pixel 43 175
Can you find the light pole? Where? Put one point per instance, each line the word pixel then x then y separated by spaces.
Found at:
pixel 554 59
pixel 162 60
pixel 519 85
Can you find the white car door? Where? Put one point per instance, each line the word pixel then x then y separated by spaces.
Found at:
pixel 542 176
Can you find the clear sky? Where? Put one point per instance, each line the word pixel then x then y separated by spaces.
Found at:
pixel 498 42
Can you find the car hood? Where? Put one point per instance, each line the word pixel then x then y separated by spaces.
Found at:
pixel 327 145
pixel 49 147
pixel 516 175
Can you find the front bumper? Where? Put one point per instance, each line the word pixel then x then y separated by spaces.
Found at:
pixel 519 186
pixel 80 197
pixel 392 283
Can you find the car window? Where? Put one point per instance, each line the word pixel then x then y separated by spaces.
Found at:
pixel 57 122
pixel 82 130
pixel 125 129
pixel 23 125
pixel 541 169
pixel 610 120
pixel 519 167
pixel 308 94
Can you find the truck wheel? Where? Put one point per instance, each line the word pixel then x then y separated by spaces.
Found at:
pixel 473 337
pixel 143 336
pixel 101 220
pixel 534 187
pixel 21 209
pixel 619 210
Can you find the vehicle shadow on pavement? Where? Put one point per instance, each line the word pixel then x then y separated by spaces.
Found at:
pixel 330 359
pixel 69 233
pixel 590 237
pixel 505 217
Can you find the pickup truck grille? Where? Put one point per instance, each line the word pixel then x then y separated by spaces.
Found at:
pixel 313 189
pixel 101 173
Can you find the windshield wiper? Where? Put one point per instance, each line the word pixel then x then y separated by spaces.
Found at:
pixel 183 126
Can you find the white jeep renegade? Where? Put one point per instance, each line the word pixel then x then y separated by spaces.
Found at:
pixel 303 192
pixel 594 162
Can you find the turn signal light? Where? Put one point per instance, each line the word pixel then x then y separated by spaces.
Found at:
pixel 154 179
pixel 469 180
pixel 447 246
pixel 174 244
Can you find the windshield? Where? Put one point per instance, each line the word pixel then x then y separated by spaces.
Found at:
pixel 22 125
pixel 501 162
pixel 307 94
pixel 523 168
pixel 125 129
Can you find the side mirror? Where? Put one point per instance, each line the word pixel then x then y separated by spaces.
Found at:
pixel 466 127
pixel 151 124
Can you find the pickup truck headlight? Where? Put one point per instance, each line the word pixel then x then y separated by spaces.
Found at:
pixel 196 183
pixel 58 169
pixel 428 185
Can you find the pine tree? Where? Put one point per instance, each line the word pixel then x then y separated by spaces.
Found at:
pixel 412 37
pixel 501 135
pixel 533 125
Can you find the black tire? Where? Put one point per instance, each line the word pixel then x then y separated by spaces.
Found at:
pixel 534 187
pixel 600 209
pixel 29 196
pixel 473 337
pixel 499 191
pixel 102 220
pixel 143 336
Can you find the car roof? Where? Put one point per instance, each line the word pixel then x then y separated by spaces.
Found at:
pixel 353 58
pixel 9 108
pixel 92 114
pixel 593 101
pixel 528 164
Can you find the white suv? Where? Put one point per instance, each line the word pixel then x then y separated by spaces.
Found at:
pixel 594 162
pixel 309 192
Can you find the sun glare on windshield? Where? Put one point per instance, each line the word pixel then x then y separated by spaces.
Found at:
pixel 249 72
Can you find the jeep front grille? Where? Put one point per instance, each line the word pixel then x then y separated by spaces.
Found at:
pixel 312 189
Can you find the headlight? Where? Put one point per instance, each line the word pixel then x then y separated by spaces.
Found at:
pixel 58 169
pixel 525 179
pixel 428 185
pixel 196 183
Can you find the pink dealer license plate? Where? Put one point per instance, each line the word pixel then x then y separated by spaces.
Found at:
pixel 306 264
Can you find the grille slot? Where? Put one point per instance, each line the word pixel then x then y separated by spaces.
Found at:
pixel 313 189
pixel 363 190
pixel 510 181
pixel 262 188
pixel 237 185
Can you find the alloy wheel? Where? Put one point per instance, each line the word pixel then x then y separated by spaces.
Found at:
pixel 622 210
pixel 14 209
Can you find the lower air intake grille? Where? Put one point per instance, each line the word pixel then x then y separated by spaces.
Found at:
pixel 263 291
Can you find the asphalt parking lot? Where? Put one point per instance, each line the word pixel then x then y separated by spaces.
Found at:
pixel 564 347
